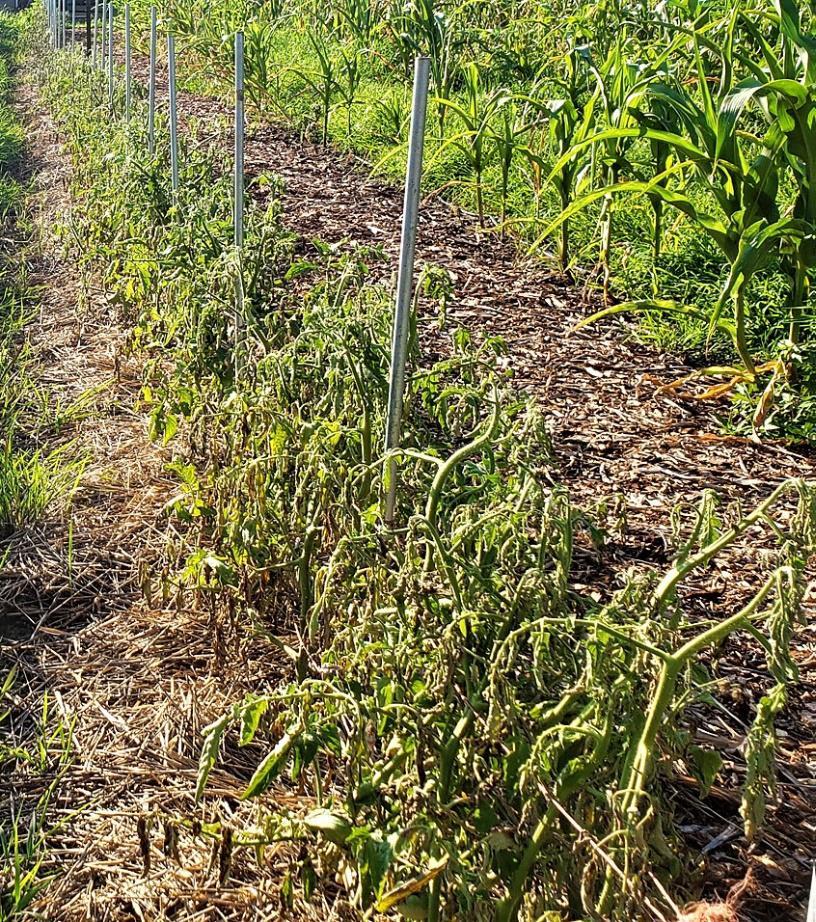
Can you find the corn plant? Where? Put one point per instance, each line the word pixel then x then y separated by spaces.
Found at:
pixel 517 46
pixel 323 81
pixel 751 229
pixel 262 82
pixel 570 119
pixel 662 118
pixel 621 84
pixel 349 81
pixel 783 88
pixel 393 115
pixel 359 19
pixel 506 132
pixel 477 115
pixel 421 27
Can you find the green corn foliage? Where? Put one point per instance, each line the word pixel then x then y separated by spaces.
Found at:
pixel 478 116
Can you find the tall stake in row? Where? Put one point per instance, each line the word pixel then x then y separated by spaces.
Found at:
pixel 73 23
pixel 127 61
pixel 238 195
pixel 95 30
pixel 151 92
pixel 171 77
pixel 405 280
pixel 110 57
pixel 103 35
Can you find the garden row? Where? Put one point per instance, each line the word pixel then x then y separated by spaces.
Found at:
pixel 476 732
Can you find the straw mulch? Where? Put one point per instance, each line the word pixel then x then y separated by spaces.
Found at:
pixel 130 685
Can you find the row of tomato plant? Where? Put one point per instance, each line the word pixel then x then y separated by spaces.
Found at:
pixel 474 733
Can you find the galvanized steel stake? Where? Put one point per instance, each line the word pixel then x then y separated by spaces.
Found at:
pixel 151 93
pixel 239 140
pixel 171 77
pixel 103 36
pixel 127 61
pixel 110 57
pixel 238 195
pixel 95 30
pixel 405 280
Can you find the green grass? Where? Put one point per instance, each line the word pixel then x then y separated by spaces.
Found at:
pixel 34 482
pixel 41 754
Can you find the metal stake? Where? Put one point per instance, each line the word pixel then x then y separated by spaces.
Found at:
pixel 95 30
pixel 405 279
pixel 73 23
pixel 239 140
pixel 110 57
pixel 151 93
pixel 103 36
pixel 127 61
pixel 171 76
pixel 238 194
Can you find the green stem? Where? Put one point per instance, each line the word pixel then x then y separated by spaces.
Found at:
pixel 507 911
pixel 657 206
pixel 304 576
pixel 665 590
pixel 799 297
pixel 446 469
pixel 563 239
pixel 443 795
pixel 633 783
pixel 740 338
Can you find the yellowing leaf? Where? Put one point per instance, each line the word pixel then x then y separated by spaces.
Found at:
pixel 398 894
